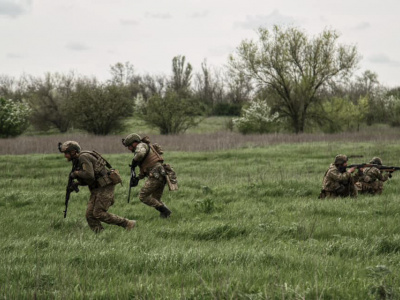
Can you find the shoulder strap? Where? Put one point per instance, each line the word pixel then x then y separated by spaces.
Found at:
pixel 97 155
pixel 145 156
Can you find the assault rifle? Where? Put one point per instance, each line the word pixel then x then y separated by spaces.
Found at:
pixel 134 178
pixel 70 188
pixel 380 167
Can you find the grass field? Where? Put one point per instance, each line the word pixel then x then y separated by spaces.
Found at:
pixel 246 224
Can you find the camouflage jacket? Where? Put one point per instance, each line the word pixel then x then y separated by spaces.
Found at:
pixel 372 174
pixel 149 161
pixel 334 179
pixel 85 169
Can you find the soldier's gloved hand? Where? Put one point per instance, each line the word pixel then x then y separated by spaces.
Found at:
pixel 72 175
pixel 134 164
pixel 74 186
pixel 134 181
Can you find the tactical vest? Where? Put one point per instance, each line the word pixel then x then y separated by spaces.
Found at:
pixel 151 159
pixel 100 164
pixel 103 176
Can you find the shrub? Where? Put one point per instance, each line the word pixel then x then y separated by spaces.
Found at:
pixel 100 108
pixel 256 119
pixel 13 118
pixel 171 113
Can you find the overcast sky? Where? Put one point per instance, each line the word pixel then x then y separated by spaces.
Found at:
pixel 87 36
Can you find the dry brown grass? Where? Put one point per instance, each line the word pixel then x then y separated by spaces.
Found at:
pixel 188 142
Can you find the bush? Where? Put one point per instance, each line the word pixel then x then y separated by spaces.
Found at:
pixel 171 113
pixel 100 108
pixel 13 118
pixel 256 119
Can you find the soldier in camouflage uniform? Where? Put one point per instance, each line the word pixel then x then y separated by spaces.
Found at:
pixel 372 180
pixel 88 171
pixel 337 181
pixel 151 166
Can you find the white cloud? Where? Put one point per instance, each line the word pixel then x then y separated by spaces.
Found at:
pixel 14 55
pixel 362 26
pixel 158 15
pixel 129 22
pixel 223 50
pixel 381 58
pixel 255 21
pixel 14 8
pixel 201 14
pixel 76 46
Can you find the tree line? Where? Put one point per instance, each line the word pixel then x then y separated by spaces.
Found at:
pixel 286 81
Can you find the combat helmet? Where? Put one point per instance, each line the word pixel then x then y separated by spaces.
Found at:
pixel 69 146
pixel 340 159
pixel 130 139
pixel 376 161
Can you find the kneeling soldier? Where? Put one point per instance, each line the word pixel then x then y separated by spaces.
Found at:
pixel 372 180
pixel 89 168
pixel 337 181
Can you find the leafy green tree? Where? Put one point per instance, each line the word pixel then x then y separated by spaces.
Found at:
pixel 173 108
pixel 11 88
pixel 209 85
pixel 14 118
pixel 170 113
pixel 48 98
pixel 181 77
pixel 344 115
pixel 152 85
pixel 100 108
pixel 124 75
pixel 294 68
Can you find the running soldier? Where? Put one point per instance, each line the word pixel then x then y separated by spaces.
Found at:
pixel 89 168
pixel 337 181
pixel 150 162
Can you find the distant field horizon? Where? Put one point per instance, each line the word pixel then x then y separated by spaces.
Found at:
pixel 210 141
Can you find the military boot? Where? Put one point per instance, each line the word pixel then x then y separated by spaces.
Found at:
pixel 164 211
pixel 130 225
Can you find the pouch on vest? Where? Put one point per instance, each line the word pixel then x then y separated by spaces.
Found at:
pixel 113 174
pixel 171 177
pixel 103 181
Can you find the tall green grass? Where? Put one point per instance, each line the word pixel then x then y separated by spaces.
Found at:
pixel 246 224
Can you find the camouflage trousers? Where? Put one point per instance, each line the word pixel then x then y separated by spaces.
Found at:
pixel 151 193
pixel 101 199
pixel 346 191
pixel 374 188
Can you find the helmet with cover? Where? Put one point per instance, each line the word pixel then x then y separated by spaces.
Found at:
pixel 69 146
pixel 340 159
pixel 130 139
pixel 376 161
